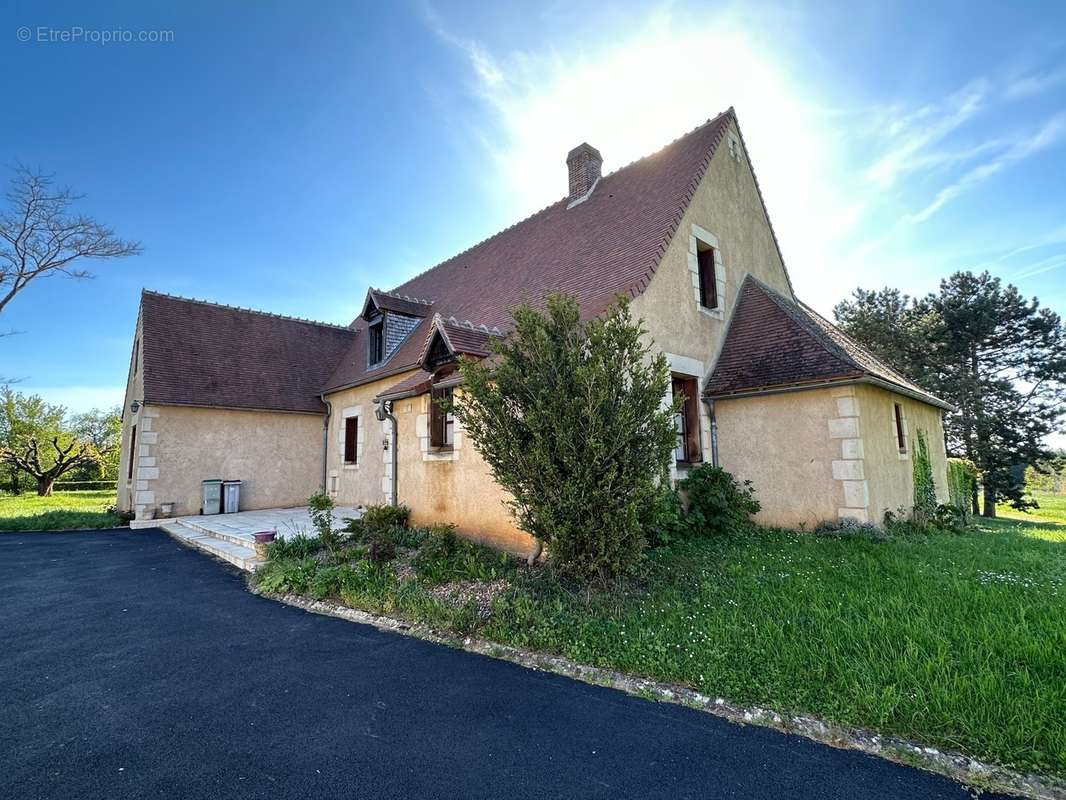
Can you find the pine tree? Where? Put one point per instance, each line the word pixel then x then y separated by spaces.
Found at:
pixel 998 358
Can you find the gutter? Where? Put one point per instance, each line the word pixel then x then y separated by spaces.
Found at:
pixel 325 442
pixel 867 379
pixel 709 402
pixel 384 412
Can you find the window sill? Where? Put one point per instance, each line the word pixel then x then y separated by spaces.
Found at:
pixel 350 465
pixel 716 313
pixel 441 448
pixel 688 464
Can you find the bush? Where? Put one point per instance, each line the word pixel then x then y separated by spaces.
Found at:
pixel 444 557
pixel 384 517
pixel 299 546
pixel 663 520
pixel 568 414
pixel 287 575
pixel 381 545
pixel 717 502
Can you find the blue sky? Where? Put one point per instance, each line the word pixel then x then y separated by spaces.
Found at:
pixel 285 156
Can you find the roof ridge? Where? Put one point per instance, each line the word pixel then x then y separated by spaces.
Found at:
pixel 398 296
pixel 703 169
pixel 246 310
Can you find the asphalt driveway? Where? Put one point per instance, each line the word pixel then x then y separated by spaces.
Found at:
pixel 131 666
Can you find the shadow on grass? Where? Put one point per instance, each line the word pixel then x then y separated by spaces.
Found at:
pixel 59 521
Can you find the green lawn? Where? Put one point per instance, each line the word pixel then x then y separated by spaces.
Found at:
pixel 954 640
pixel 1052 509
pixel 61 511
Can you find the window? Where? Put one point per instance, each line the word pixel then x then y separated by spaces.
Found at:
pixel 708 278
pixel 133 452
pixel 376 342
pixel 351 439
pixel 136 347
pixel 901 435
pixel 688 449
pixel 441 421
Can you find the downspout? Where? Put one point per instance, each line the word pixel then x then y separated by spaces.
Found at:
pixel 714 430
pixel 325 443
pixel 384 412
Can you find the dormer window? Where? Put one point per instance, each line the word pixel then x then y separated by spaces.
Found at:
pixel 376 342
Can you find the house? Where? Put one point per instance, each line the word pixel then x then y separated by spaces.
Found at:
pixel 774 392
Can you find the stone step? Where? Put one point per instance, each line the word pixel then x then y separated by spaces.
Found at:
pixel 239 555
pixel 218 531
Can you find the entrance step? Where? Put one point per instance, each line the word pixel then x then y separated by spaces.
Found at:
pixel 221 546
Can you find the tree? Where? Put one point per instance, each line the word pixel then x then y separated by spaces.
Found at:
pixel 40 237
pixel 103 430
pixel 999 358
pixel 35 439
pixel 569 415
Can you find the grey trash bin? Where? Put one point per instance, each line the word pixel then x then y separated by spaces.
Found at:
pixel 211 502
pixel 231 497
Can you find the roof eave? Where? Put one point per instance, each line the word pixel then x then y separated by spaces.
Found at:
pixel 848 380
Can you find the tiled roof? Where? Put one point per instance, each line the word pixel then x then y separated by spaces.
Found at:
pixel 401 304
pixel 205 354
pixel 610 244
pixel 774 342
pixel 411 385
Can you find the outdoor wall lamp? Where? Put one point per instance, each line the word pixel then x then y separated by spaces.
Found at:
pixel 135 405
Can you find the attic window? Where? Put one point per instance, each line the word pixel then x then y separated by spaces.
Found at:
pixel 901 431
pixel 376 342
pixel 707 276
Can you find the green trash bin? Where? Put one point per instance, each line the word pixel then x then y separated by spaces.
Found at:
pixel 212 497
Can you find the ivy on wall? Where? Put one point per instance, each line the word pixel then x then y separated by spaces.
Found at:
pixel 924 487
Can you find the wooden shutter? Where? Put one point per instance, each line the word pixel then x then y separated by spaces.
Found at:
pixel 351 438
pixel 693 446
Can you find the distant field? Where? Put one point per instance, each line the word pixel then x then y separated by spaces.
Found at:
pixel 61 511
pixel 1052 509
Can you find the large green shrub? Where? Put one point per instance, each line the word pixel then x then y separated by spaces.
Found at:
pixel 383 517
pixel 717 502
pixel 924 487
pixel 569 416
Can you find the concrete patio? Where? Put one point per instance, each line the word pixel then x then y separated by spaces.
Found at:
pixel 230 536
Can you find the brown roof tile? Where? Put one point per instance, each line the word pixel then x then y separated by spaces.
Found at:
pixel 774 342
pixel 608 245
pixel 204 354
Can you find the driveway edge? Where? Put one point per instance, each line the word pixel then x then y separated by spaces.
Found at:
pixel 958 767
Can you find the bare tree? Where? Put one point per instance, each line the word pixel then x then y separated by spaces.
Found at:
pixel 39 236
pixel 67 456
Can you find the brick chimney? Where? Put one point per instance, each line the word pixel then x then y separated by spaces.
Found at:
pixel 583 163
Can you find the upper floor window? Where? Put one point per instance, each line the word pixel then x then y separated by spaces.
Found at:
pixel 708 278
pixel 376 342
pixel 351 439
pixel 901 431
pixel 136 353
pixel 688 448
pixel 441 420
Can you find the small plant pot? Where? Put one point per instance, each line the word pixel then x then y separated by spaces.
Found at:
pixel 262 542
pixel 166 509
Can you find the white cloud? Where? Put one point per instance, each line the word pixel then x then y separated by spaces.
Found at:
pixel 1050 133
pixel 911 135
pixel 1034 84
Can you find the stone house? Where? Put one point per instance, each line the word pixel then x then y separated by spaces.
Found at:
pixel 775 393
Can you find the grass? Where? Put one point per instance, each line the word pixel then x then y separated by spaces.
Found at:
pixel 61 511
pixel 953 640
pixel 1052 509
